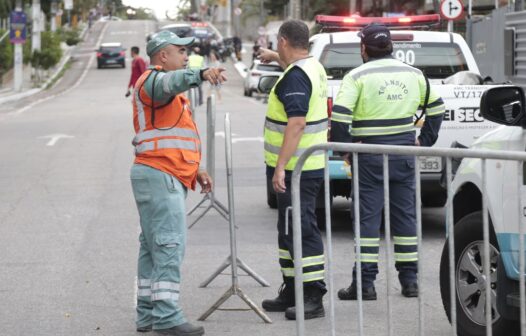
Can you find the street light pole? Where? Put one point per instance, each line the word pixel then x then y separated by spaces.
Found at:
pixel 18 58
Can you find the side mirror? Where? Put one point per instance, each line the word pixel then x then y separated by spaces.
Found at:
pixel 503 105
pixel 266 83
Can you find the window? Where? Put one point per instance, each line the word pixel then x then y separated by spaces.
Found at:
pixel 269 67
pixel 436 60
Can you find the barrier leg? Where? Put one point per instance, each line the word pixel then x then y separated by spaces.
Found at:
pixel 233 260
pixel 210 164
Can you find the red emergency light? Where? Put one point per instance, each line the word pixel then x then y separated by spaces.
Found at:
pixel 341 23
pixel 199 24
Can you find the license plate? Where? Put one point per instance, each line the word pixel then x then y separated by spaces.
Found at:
pixel 430 164
pixel 111 61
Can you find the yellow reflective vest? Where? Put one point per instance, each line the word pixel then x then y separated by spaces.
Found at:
pixel 315 131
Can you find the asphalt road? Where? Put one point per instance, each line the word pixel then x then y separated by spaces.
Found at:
pixel 69 232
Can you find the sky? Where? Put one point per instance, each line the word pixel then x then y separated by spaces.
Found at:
pixel 159 6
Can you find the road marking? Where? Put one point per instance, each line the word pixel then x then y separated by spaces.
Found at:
pixel 235 140
pixel 54 138
pixel 74 86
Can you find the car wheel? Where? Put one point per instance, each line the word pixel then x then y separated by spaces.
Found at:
pixel 469 280
pixel 99 66
pixel 123 65
pixel 272 198
pixel 245 92
pixel 249 93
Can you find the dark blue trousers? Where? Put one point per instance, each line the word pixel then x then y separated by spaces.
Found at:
pixel 402 210
pixel 312 244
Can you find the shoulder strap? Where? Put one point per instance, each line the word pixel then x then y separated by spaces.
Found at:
pixel 426 101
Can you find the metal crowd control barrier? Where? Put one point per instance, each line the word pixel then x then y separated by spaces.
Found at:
pixel 234 261
pixel 210 165
pixel 385 150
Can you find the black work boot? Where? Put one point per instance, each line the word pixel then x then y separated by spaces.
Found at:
pixel 410 290
pixel 368 293
pixel 312 304
pixel 144 328
pixel 185 329
pixel 284 300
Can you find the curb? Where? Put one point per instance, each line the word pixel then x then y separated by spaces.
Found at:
pixel 65 59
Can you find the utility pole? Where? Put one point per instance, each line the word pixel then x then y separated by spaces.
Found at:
pixel 18 58
pixel 295 9
pixel 37 26
pixel 53 16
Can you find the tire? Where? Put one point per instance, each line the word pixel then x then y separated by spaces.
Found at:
pixel 249 93
pixel 123 65
pixel 245 92
pixel 434 200
pixel 99 66
pixel 468 250
pixel 272 198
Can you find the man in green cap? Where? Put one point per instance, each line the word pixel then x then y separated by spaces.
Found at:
pixel 167 156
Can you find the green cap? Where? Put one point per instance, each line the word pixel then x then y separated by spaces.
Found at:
pixel 164 38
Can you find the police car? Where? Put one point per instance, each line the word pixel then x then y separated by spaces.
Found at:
pixel 505 191
pixel 444 58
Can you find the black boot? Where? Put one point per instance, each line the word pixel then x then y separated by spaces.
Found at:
pixel 312 304
pixel 284 300
pixel 368 293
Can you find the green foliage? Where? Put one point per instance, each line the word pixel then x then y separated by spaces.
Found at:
pixel 70 36
pixel 6 54
pixel 50 53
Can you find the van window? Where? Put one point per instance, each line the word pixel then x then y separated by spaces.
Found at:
pixel 436 60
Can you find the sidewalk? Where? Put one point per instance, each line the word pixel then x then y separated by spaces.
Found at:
pixel 7 94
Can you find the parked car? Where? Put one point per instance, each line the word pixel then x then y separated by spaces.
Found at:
pixel 202 31
pixel 504 190
pixel 111 54
pixel 254 73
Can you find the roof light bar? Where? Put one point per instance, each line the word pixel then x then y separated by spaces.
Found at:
pixel 335 23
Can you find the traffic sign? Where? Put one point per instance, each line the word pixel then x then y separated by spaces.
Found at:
pixel 17 29
pixel 451 9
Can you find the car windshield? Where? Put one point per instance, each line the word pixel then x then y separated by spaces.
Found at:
pixel 436 60
pixel 269 67
pixel 110 49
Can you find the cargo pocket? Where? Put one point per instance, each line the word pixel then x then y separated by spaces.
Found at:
pixel 191 157
pixel 168 246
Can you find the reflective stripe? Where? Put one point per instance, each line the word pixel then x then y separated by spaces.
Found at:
pixel 436 110
pixel 288 272
pixel 382 130
pixel 144 292
pixel 152 134
pixel 385 69
pixel 369 242
pixel 275 150
pixel 144 283
pixel 313 261
pixel 405 240
pixel 345 118
pixel 165 296
pixel 369 257
pixel 140 111
pixel 309 129
pixel 284 254
pixel 165 143
pixel 165 285
pixel 166 81
pixel 411 256
pixel 311 276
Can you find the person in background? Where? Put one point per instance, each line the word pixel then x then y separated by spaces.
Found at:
pixel 138 67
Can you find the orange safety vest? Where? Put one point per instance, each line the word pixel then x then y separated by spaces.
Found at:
pixel 166 135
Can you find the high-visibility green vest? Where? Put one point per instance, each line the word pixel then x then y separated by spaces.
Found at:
pixel 196 61
pixel 315 131
pixel 381 97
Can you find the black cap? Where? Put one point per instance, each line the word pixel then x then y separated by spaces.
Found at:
pixel 376 35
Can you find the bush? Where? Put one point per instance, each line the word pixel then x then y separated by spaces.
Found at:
pixel 50 53
pixel 70 36
pixel 6 54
